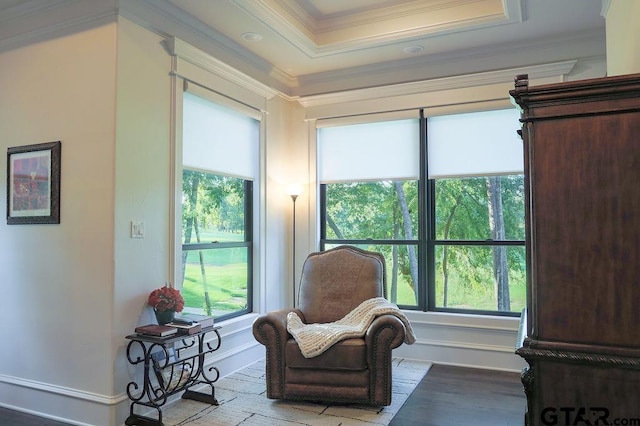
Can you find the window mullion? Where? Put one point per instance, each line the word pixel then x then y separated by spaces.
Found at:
pixel 426 285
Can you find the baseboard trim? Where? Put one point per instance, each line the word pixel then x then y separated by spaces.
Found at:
pixel 472 355
pixel 61 390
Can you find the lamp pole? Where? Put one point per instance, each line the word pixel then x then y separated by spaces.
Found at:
pixel 293 198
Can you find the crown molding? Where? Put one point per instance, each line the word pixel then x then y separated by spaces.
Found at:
pixel 37 20
pixel 471 80
pixel 205 61
pixel 164 18
pixel 305 32
pixel 447 64
pixel 31 8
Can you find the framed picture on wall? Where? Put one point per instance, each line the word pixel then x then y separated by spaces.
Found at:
pixel 33 183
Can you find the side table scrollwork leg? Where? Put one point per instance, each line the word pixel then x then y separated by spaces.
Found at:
pixel 144 395
pixel 204 373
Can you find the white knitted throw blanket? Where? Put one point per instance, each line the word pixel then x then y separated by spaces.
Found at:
pixel 314 339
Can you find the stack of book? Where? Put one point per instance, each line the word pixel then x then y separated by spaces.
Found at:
pixel 188 318
pixel 185 324
pixel 183 328
pixel 156 330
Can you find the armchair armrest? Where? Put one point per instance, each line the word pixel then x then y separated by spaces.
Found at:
pixel 277 320
pixel 385 330
pixel 270 329
pixel 385 333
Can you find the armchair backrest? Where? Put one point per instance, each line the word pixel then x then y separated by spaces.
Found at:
pixel 336 281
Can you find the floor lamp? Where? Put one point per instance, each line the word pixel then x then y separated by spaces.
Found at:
pixel 294 192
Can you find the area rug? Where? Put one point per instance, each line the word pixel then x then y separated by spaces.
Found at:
pixel 243 402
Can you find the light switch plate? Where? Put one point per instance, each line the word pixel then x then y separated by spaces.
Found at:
pixel 137 229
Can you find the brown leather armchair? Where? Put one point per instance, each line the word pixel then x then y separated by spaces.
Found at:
pixel 358 370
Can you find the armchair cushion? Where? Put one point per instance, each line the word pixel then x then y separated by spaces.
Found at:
pixel 348 355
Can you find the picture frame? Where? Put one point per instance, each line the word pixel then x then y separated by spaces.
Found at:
pixel 33 183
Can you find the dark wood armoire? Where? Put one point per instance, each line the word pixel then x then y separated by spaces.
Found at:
pixel 581 329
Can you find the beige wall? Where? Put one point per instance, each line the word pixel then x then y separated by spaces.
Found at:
pixel 286 165
pixel 57 280
pixel 623 37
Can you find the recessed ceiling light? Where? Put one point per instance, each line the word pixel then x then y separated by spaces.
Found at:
pixel 252 36
pixel 412 50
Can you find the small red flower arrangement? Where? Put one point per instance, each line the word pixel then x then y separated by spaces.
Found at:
pixel 166 298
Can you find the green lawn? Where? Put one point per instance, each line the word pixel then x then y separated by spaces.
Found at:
pixel 461 298
pixel 225 279
pixel 226 282
pixel 225 285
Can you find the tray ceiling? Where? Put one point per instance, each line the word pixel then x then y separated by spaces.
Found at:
pixel 308 40
pixel 305 47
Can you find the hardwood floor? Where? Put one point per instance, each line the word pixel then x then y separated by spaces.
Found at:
pixel 459 396
pixel 16 418
pixel 447 396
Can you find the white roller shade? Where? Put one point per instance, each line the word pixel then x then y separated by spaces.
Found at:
pixel 218 139
pixel 475 144
pixel 387 150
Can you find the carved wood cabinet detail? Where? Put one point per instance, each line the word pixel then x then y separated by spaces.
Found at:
pixel 581 328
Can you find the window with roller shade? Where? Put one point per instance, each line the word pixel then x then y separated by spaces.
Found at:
pixel 440 197
pixel 219 167
pixel 476 187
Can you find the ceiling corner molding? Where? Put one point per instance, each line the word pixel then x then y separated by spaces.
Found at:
pixel 606 4
pixel 167 20
pixel 287 97
pixel 457 82
pixel 207 62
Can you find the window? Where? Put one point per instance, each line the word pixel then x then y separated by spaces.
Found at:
pixel 454 239
pixel 479 258
pixel 476 193
pixel 219 164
